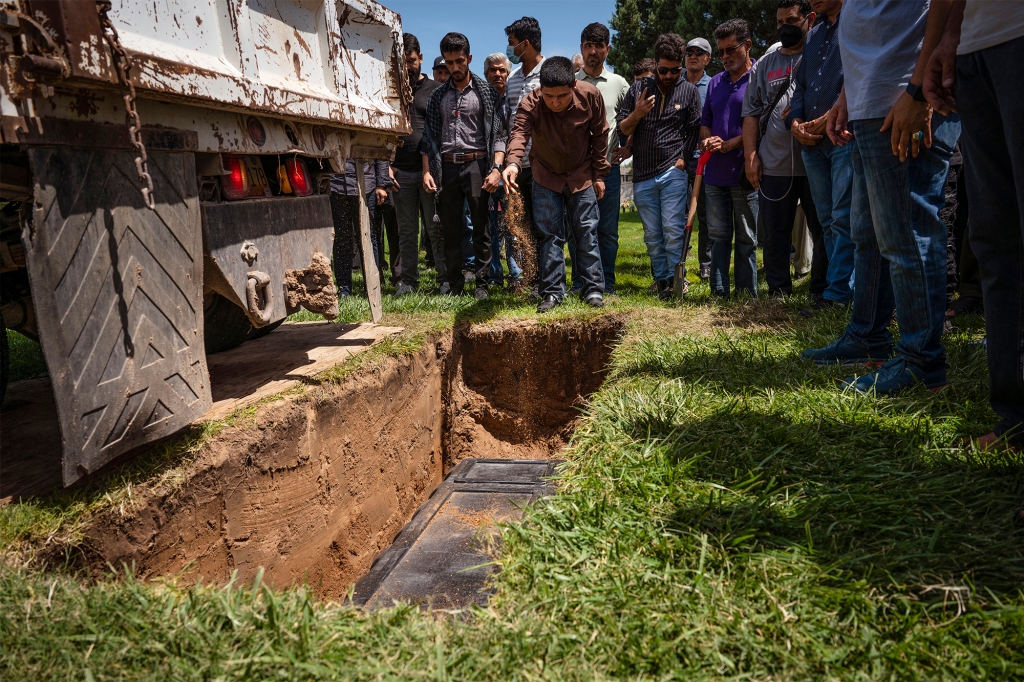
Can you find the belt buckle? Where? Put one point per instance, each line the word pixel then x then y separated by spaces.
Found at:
pixel 459 157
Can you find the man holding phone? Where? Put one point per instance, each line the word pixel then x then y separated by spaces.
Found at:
pixel 662 113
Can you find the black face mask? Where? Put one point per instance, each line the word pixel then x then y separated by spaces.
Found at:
pixel 790 35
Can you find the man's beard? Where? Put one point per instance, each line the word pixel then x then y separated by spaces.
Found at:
pixel 664 83
pixel 414 74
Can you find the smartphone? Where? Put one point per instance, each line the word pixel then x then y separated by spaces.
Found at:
pixel 649 83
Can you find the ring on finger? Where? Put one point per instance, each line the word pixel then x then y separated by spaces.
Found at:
pixel 918 136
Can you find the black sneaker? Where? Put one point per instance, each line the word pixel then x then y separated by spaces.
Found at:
pixel 665 289
pixel 481 294
pixel 705 272
pixel 547 304
pixel 595 300
pixel 819 305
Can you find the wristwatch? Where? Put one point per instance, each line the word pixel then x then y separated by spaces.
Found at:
pixel 916 92
pixel 496 167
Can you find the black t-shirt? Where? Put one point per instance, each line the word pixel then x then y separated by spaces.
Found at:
pixel 407 157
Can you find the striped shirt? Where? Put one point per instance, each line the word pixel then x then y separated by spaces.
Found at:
pixel 520 85
pixel 668 132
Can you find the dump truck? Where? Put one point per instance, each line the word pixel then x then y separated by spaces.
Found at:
pixel 164 178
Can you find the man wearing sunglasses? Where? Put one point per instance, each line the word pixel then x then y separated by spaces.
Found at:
pixel 731 200
pixel 664 121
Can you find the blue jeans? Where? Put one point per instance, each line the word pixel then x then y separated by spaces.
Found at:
pixel 732 208
pixel 991 101
pixel 900 242
pixel 499 235
pixel 607 229
pixel 553 211
pixel 662 204
pixel 830 175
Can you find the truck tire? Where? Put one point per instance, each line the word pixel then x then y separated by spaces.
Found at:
pixel 227 326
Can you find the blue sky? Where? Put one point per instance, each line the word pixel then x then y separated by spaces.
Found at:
pixel 484 22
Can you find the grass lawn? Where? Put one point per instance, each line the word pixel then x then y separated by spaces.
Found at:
pixel 725 513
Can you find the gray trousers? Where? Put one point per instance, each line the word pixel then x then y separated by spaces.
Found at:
pixel 410 200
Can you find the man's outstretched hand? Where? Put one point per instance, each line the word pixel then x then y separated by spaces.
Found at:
pixel 509 175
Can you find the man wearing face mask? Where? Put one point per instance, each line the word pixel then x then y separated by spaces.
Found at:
pixel 524 45
pixel 773 162
pixel 665 124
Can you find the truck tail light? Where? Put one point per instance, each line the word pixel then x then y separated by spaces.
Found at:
pixel 235 185
pixel 302 184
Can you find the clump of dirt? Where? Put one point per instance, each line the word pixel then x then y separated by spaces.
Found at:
pixel 518 389
pixel 313 288
pixel 525 248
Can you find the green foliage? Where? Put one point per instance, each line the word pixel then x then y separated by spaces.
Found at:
pixel 27 359
pixel 639 22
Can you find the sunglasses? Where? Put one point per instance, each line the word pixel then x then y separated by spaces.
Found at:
pixel 728 50
pixel 665 70
pixel 695 53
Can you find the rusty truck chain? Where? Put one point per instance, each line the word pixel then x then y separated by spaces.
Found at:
pixel 124 65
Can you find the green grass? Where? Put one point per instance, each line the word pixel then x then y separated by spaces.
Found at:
pixel 725 513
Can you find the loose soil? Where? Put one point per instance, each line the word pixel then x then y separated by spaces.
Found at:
pixel 318 483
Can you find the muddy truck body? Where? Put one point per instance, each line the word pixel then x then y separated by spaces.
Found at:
pixel 164 168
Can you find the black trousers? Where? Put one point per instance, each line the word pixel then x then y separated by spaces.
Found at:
pixel 462 183
pixel 777 200
pixel 989 98
pixel 345 215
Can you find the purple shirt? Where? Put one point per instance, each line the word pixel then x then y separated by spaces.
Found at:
pixel 723 113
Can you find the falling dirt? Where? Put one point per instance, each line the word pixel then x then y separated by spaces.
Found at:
pixel 317 484
pixel 525 249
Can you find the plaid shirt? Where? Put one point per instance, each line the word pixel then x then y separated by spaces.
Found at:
pixel 431 142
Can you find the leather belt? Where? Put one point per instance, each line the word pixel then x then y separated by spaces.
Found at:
pixel 463 157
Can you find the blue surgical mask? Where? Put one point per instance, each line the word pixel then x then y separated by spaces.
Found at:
pixel 510 52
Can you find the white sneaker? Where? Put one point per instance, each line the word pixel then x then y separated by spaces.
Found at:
pixel 446 288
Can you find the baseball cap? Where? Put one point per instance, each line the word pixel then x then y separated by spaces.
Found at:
pixel 701 43
pixel 439 62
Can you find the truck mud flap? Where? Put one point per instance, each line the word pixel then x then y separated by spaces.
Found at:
pixel 118 292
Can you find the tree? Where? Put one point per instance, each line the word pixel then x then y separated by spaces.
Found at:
pixel 639 22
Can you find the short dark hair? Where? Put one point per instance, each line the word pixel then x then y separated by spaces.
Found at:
pixel 734 27
pixel 455 42
pixel 669 46
pixel 410 43
pixel 595 33
pixel 526 28
pixel 555 72
pixel 643 66
pixel 803 6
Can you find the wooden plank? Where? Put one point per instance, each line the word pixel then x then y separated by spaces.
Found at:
pixel 279 361
pixel 370 274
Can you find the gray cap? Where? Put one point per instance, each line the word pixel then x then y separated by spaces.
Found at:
pixel 701 43
pixel 439 62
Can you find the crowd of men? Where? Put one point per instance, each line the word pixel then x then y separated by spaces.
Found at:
pixel 851 116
